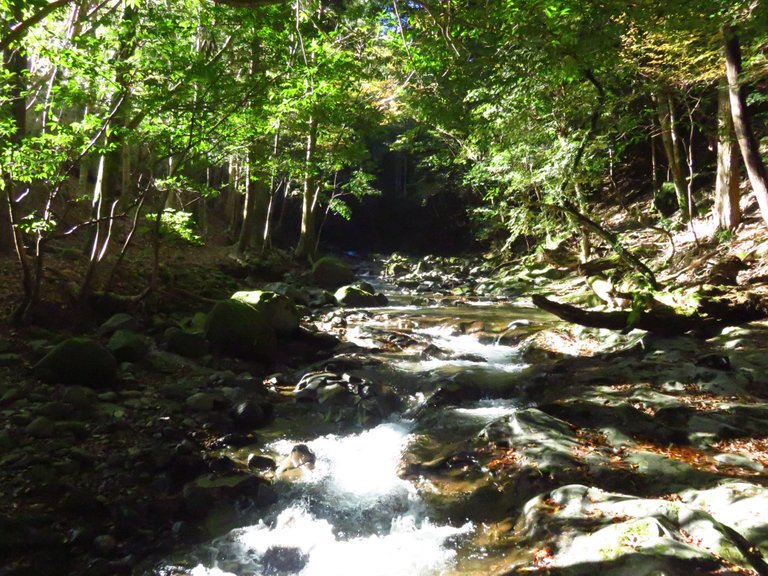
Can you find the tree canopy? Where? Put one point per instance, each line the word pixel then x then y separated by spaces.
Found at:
pixel 508 119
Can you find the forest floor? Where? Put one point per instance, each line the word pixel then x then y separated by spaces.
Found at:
pixel 92 481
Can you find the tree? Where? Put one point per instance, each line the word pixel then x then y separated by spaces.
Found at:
pixel 725 210
pixel 741 124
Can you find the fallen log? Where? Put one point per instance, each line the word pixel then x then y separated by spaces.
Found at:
pixel 663 321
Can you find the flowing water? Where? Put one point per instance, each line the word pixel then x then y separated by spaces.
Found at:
pixel 352 514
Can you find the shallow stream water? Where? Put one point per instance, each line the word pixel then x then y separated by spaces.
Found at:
pixel 352 514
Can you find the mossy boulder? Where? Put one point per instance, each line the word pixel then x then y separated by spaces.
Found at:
pixel 279 310
pixel 298 295
pixel 357 295
pixel 78 361
pixel 185 343
pixel 238 329
pixel 128 346
pixel 330 272
pixel 121 321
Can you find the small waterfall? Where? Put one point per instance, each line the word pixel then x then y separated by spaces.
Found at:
pixel 352 515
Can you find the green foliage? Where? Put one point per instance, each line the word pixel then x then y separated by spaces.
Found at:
pixel 357 186
pixel 724 236
pixel 35 224
pixel 177 224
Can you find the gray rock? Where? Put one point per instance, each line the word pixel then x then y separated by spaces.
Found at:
pixel 619 534
pixel 741 505
pixel 78 361
pixel 739 460
pixel 542 439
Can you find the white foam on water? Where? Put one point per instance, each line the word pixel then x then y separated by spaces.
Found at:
pixel 489 410
pixel 445 339
pixel 354 480
pixel 409 547
pixel 362 465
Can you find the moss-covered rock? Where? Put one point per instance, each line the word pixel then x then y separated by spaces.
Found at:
pixel 78 361
pixel 121 321
pixel 279 310
pixel 128 346
pixel 238 329
pixel 298 295
pixel 356 295
pixel 330 272
pixel 185 343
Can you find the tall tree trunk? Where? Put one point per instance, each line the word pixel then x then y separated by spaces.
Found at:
pixel 747 143
pixel 232 205
pixel 308 234
pixel 246 230
pixel 16 64
pixel 671 148
pixel 725 211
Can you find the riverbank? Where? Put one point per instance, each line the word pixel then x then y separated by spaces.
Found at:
pixel 178 448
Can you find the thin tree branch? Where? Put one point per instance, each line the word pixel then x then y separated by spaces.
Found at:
pixel 17 32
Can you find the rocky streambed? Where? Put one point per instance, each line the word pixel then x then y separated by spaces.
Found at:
pixel 457 430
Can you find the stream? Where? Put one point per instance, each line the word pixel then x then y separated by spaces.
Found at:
pixel 352 513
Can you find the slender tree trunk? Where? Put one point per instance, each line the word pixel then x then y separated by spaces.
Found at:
pixel 671 148
pixel 16 64
pixel 726 211
pixel 274 186
pixel 741 123
pixel 308 234
pixel 246 230
pixel 232 205
pixel 86 287
pixel 255 211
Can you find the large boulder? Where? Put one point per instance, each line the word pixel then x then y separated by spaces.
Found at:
pixel 330 272
pixel 279 309
pixel 238 329
pixel 121 321
pixel 185 343
pixel 584 530
pixel 359 295
pixel 298 295
pixel 78 361
pixel 128 346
